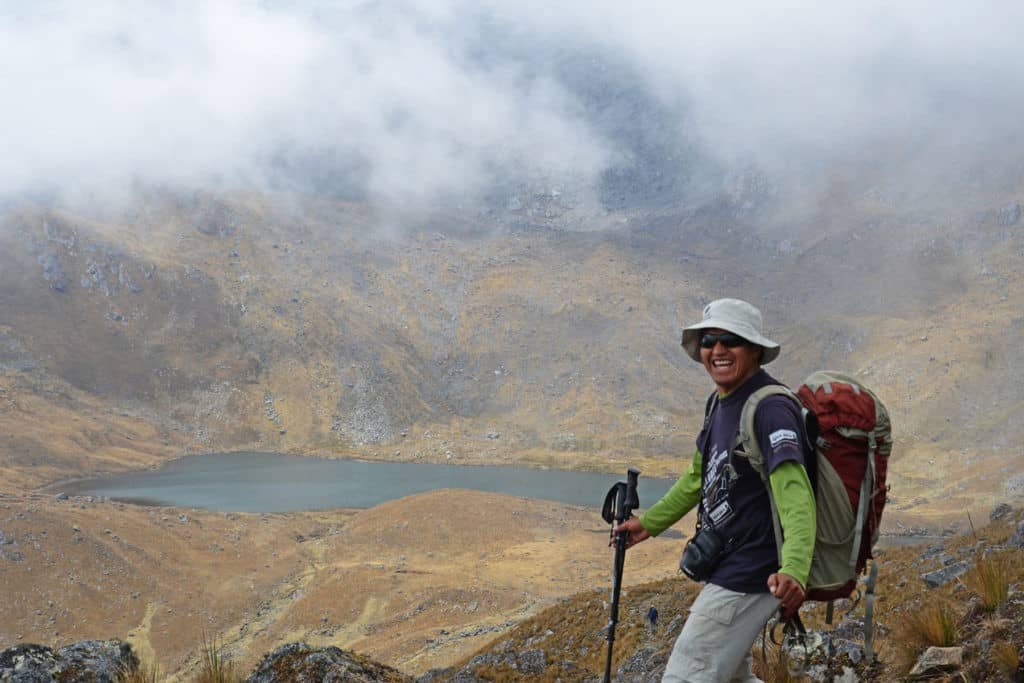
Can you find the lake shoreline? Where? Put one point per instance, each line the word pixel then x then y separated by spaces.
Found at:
pixel 262 481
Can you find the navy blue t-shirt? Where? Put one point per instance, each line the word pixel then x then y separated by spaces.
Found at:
pixel 735 499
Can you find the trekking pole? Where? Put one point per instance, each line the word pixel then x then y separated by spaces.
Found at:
pixel 618 507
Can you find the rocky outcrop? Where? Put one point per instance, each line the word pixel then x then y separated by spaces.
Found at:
pixel 89 661
pixel 300 663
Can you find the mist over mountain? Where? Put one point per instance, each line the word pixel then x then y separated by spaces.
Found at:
pixel 414 103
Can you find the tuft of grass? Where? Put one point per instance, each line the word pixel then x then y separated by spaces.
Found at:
pixel 935 624
pixel 1006 659
pixel 772 664
pixel 215 667
pixel 932 624
pixel 147 672
pixel 989 579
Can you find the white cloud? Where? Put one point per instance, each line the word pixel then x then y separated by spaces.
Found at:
pixel 102 93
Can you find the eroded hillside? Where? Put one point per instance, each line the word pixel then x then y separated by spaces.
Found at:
pixel 206 323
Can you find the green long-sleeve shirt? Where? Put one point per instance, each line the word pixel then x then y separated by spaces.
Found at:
pixel 794 498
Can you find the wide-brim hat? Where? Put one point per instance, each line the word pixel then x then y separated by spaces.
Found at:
pixel 731 315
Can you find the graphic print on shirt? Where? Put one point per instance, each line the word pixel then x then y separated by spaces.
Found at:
pixel 782 439
pixel 718 482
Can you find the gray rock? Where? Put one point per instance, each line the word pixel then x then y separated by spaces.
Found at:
pixel 437 676
pixel 936 660
pixel 301 662
pixel 854 651
pixel 674 626
pixel 848 676
pixel 96 660
pixel 943 576
pixel 28 664
pixel 88 661
pixel 1017 539
pixel 490 659
pixel 532 662
pixel 999 511
pixel 645 666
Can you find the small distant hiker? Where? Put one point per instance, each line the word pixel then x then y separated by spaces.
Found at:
pixel 652 618
pixel 734 550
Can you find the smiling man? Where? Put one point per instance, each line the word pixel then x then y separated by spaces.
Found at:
pixel 745 582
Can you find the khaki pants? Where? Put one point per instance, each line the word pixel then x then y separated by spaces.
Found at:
pixel 714 646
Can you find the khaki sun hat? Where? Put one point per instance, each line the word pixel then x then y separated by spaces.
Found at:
pixel 731 315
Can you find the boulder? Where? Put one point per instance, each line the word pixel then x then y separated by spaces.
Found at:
pixel 88 661
pixel 299 662
pixel 937 660
pixel 1017 539
pixel 943 576
pixel 999 511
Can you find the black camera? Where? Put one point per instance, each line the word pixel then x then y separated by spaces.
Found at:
pixel 702 554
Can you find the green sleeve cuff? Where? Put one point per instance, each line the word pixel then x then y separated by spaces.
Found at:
pixel 794 499
pixel 680 499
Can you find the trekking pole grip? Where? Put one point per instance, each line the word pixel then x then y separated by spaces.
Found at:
pixel 632 499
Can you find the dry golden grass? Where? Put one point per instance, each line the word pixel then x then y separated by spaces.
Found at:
pixel 147 672
pixel 772 664
pixel 215 667
pixel 1006 658
pixel 936 624
pixel 989 579
pixel 932 624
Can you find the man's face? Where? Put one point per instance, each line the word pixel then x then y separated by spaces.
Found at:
pixel 729 365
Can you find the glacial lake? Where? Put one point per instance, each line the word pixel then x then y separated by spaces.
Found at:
pixel 270 482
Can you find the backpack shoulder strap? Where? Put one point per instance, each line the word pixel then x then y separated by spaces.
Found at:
pixel 746 446
pixel 746 439
pixel 708 405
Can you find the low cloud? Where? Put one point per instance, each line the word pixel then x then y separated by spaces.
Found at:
pixel 409 102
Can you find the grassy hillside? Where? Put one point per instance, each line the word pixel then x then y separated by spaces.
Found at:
pixel 201 323
pixel 982 612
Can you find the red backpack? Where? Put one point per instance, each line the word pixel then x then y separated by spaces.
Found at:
pixel 854 440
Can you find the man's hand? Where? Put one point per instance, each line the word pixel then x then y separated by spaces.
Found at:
pixel 633 530
pixel 789 592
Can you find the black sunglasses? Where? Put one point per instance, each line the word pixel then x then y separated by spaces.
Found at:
pixel 728 340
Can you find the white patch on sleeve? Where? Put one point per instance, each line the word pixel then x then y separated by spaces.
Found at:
pixel 781 436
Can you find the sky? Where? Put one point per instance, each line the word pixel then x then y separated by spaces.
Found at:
pixel 416 101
